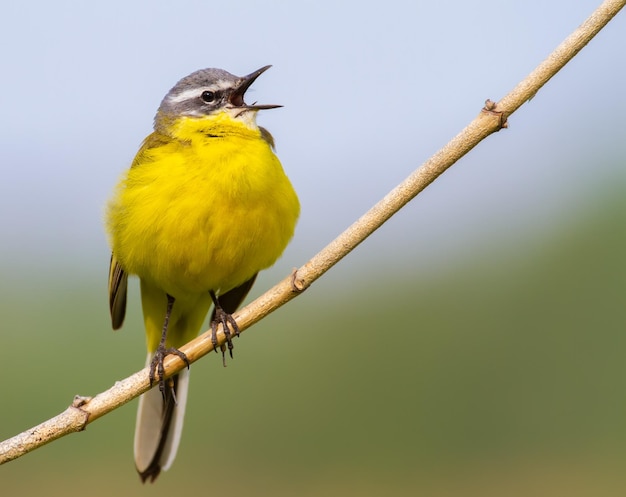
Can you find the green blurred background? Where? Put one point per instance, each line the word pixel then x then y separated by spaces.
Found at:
pixel 503 374
pixel 474 345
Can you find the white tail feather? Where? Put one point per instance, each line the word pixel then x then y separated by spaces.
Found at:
pixel 150 430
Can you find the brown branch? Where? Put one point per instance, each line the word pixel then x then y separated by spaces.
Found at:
pixel 491 119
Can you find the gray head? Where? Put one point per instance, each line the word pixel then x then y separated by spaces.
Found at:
pixel 207 92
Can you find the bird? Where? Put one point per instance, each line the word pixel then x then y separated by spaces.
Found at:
pixel 204 206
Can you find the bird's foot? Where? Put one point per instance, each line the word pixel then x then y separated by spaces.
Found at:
pixel 157 368
pixel 225 319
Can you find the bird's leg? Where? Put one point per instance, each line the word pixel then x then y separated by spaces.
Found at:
pixel 223 317
pixel 156 366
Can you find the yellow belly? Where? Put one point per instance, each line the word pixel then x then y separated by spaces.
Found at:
pixel 202 214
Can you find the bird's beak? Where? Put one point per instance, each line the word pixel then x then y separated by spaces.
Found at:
pixel 236 97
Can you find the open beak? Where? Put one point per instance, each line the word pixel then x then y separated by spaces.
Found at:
pixel 236 97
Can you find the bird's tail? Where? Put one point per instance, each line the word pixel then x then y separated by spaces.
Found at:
pixel 159 426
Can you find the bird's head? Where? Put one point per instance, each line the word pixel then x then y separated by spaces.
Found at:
pixel 209 92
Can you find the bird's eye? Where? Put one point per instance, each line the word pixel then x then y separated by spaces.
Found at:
pixel 208 96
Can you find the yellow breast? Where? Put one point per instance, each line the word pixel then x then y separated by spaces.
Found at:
pixel 202 209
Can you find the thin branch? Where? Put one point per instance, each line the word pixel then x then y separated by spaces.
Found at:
pixel 492 118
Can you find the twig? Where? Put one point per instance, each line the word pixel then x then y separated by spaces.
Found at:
pixel 492 118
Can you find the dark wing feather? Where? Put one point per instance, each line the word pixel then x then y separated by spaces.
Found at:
pixel 118 283
pixel 267 136
pixel 231 299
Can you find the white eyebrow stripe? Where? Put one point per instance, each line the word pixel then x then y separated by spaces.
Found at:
pixel 186 95
pixel 194 93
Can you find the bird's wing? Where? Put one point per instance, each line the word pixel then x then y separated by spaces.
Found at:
pixel 118 283
pixel 231 299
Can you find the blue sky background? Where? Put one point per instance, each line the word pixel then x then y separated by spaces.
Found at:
pixel 370 91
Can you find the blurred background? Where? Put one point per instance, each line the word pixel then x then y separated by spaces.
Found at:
pixel 474 345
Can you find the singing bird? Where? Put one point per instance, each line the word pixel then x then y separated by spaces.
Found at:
pixel 203 208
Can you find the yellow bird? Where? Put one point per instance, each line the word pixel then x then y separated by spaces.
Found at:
pixel 203 208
